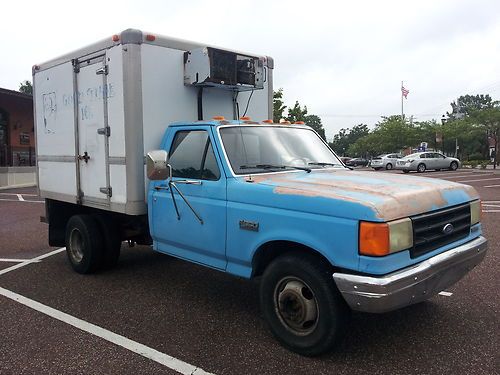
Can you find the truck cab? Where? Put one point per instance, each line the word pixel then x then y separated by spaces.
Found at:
pixel 273 201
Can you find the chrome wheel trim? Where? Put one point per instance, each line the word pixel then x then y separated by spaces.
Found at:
pixel 76 245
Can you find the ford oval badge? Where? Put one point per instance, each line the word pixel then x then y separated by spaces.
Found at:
pixel 448 228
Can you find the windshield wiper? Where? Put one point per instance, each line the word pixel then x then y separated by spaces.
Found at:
pixel 324 164
pixel 273 166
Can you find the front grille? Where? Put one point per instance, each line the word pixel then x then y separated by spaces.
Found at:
pixel 428 229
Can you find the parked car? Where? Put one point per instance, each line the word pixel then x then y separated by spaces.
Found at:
pixel 421 161
pixel 345 159
pixel 386 161
pixel 356 162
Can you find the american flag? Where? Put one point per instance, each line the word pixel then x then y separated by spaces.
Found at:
pixel 404 92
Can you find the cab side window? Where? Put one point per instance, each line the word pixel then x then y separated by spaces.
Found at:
pixel 192 156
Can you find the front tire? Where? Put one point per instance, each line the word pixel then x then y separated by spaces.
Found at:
pixel 406 171
pixel 453 166
pixel 421 168
pixel 388 166
pixel 301 304
pixel 84 244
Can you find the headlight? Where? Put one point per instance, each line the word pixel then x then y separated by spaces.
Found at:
pixel 379 239
pixel 475 212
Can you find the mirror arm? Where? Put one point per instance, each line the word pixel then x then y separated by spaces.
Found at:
pixel 172 186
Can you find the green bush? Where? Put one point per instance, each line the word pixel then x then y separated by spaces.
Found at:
pixel 476 156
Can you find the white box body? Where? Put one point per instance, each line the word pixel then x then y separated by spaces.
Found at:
pixel 131 89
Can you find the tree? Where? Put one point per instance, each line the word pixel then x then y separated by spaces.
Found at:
pixel 278 105
pixel 346 137
pixel 466 104
pixel 315 122
pixel 296 113
pixel 26 88
pixel 489 120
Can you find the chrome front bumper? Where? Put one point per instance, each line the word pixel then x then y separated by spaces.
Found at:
pixel 413 284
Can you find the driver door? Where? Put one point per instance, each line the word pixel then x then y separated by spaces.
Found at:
pixel 189 213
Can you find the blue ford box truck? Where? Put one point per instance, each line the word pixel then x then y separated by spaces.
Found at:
pixel 166 142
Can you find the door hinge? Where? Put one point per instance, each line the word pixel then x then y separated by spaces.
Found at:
pixel 106 190
pixel 76 66
pixel 104 131
pixel 102 70
pixel 79 197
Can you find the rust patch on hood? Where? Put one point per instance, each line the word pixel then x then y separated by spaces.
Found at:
pixel 390 196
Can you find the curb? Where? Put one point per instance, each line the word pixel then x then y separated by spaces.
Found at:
pixel 17 186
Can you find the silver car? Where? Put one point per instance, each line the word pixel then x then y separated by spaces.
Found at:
pixel 421 161
pixel 386 161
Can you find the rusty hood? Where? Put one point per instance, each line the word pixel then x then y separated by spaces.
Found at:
pixel 373 195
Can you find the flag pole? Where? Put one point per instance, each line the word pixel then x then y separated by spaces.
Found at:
pixel 402 111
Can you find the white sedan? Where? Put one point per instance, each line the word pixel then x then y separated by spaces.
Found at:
pixel 421 161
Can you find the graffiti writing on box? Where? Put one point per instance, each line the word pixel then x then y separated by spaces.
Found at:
pixel 90 94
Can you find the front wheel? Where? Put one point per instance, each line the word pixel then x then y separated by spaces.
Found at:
pixel 301 304
pixel 421 168
pixel 453 166
pixel 388 166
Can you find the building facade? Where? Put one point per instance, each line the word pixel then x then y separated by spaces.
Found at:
pixel 17 131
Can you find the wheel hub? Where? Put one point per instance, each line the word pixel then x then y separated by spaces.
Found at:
pixel 76 245
pixel 296 306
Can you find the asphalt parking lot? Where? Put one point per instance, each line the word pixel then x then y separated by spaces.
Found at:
pixel 154 314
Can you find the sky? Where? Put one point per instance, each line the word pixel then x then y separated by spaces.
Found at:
pixel 345 60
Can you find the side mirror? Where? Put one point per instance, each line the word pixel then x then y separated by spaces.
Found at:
pixel 156 165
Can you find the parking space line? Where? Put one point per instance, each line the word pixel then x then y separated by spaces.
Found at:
pixel 491 186
pixel 491 210
pixel 143 350
pixel 446 294
pixel 33 260
pixel 20 197
pixel 10 260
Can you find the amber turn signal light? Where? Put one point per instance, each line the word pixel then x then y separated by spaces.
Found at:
pixel 374 239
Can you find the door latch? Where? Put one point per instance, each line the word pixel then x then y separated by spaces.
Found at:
pixel 104 131
pixel 106 190
pixel 85 157
pixel 102 70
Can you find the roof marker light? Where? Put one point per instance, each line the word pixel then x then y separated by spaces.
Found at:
pixel 285 122
pixel 299 122
pixel 115 38
pixel 245 118
pixel 150 37
pixel 218 118
pixel 268 122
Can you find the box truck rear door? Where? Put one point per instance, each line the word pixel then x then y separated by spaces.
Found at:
pixel 93 132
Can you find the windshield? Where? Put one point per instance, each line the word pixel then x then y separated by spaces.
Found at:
pixel 257 149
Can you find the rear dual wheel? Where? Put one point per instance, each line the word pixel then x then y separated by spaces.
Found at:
pixel 301 304
pixel 92 243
